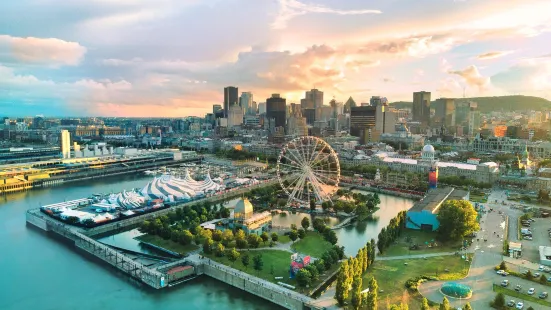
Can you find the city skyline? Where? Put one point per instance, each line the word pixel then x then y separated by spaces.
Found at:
pixel 174 58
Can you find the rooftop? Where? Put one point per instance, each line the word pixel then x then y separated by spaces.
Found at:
pixel 434 198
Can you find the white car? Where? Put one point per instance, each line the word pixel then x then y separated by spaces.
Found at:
pixel 500 272
pixel 541 268
pixel 520 305
pixel 531 291
pixel 537 274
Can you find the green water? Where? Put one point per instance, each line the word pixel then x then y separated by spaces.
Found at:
pixel 40 272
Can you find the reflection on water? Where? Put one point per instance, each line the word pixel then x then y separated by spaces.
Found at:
pixel 285 219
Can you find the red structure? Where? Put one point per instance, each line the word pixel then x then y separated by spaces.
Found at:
pixel 298 262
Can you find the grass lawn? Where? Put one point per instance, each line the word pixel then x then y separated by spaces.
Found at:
pixel 519 295
pixel 276 264
pixel 283 239
pixel 392 275
pixel 313 244
pixel 401 247
pixel 167 244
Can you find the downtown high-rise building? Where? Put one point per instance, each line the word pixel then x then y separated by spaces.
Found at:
pixel 315 98
pixel 65 144
pixel 421 107
pixel 276 109
pixel 246 102
pixel 444 112
pixel 231 97
pixel 262 108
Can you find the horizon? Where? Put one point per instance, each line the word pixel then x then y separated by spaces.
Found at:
pixel 173 58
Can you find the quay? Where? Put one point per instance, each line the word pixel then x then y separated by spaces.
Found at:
pixel 159 277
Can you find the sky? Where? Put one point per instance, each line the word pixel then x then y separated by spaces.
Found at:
pixel 172 58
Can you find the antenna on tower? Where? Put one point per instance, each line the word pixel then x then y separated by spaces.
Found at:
pixel 464 90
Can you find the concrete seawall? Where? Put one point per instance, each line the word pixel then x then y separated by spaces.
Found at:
pixel 382 191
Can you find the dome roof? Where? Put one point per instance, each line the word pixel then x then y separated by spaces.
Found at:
pixel 428 148
pixel 243 206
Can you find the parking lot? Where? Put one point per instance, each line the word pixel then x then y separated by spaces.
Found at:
pixel 540 236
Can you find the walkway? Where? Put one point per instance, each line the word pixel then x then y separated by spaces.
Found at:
pixel 414 256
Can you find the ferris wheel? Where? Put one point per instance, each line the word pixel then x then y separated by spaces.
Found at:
pixel 308 169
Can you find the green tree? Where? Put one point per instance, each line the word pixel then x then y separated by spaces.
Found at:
pixel 499 301
pixel 254 240
pixel 301 233
pixel 445 305
pixel 304 278
pixel 219 249
pixel 356 293
pixel 305 223
pixel 145 227
pixel 371 299
pixel 330 236
pixel 207 246
pixel 425 304
pixel 217 235
pixel 543 280
pixel 245 260
pixel 294 227
pixel 529 275
pixel 258 263
pixel 186 237
pixel 293 235
pixel 312 205
pixel 457 219
pixel 275 237
pixel 467 307
pixel 232 255
pixel 341 289
pixel 264 236
pixel 502 266
pixel 530 308
pixel 227 237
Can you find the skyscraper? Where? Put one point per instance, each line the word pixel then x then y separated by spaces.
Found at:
pixel 276 109
pixel 444 112
pixel 421 107
pixel 262 108
pixel 316 97
pixel 246 102
pixel 235 116
pixel 361 119
pixel 65 144
pixel 230 97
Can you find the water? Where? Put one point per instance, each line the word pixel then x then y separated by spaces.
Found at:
pixel 38 272
pixel 290 218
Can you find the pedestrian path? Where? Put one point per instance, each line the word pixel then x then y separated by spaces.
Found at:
pixel 415 256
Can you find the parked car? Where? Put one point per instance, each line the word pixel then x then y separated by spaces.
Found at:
pixel 511 303
pixel 531 291
pixel 520 305
pixel 543 295
pixel 527 238
pixel 541 268
pixel 518 288
pixel 505 283
pixel 500 272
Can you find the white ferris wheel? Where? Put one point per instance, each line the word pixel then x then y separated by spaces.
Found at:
pixel 308 169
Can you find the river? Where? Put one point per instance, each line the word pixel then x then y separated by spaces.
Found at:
pixel 39 272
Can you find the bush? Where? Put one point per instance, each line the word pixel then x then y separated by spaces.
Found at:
pixel 412 284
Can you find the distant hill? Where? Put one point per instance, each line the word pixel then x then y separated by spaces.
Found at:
pixel 499 103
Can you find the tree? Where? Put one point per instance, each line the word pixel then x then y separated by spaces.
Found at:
pixel 457 220
pixel 275 237
pixel 207 246
pixel 245 260
pixel 372 296
pixel 313 272
pixel 232 255
pixel 301 233
pixel 293 235
pixel 145 226
pixel 219 251
pixel 499 301
pixel 294 227
pixel 305 223
pixel 186 237
pixel 254 241
pixel 425 304
pixel 312 205
pixel 326 205
pixel 217 235
pixel 227 237
pixel 341 290
pixel 543 280
pixel 445 305
pixel 225 212
pixel 304 278
pixel 330 236
pixel 356 293
pixel 319 224
pixel 241 243
pixel 468 307
pixel 502 266
pixel 258 263
pixel 529 275
pixel 264 236
pixel 530 308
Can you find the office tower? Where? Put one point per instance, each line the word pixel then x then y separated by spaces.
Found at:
pixel 444 112
pixel 361 119
pixel 235 116
pixel 316 97
pixel 276 109
pixel 378 100
pixel 230 98
pixel 421 107
pixel 216 108
pixel 262 108
pixel 246 102
pixel 474 123
pixel 385 119
pixel 65 144
pixel 350 103
pixel 253 110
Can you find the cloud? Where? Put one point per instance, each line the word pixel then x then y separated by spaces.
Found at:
pixel 42 51
pixel 290 9
pixel 493 55
pixel 473 78
pixel 529 76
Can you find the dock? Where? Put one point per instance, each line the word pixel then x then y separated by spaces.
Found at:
pixel 157 276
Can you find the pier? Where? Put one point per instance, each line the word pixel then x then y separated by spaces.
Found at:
pixel 157 277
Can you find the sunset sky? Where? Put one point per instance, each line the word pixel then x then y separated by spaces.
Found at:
pixel 174 57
